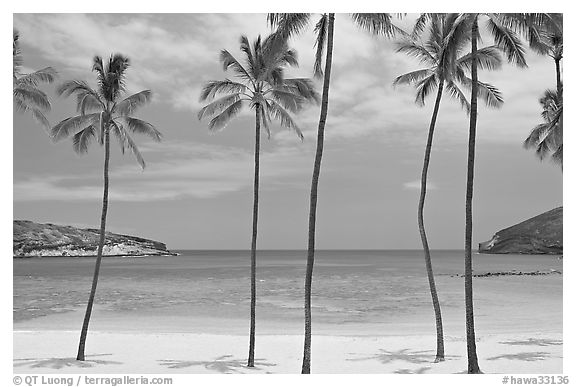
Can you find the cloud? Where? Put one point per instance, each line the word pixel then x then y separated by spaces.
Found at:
pixel 175 54
pixel 415 185
pixel 175 170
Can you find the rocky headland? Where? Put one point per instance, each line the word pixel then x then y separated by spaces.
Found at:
pixel 541 234
pixel 51 240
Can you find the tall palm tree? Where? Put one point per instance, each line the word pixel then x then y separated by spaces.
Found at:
pixel 26 94
pixel 102 111
pixel 546 137
pixel 446 69
pixel 287 25
pixel 505 38
pixel 262 86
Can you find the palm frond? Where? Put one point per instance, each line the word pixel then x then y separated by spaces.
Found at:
pixel 508 42
pixel 280 114
pixel 457 94
pixel 81 140
pixel 420 25
pixel 111 77
pixel 558 156
pixel 141 127
pixel 129 105
pixel 126 141
pixel 378 24
pixel 30 96
pixel 288 24
pixel 39 116
pixel 86 102
pixel 288 100
pixel 80 88
pixel 222 119
pixel 416 50
pixel 212 88
pixel 72 125
pixel 228 61
pixel 412 77
pixel 264 118
pixel 321 31
pixel 303 87
pixel 45 75
pixel 488 58
pixel 218 106
pixel 424 88
pixel 490 94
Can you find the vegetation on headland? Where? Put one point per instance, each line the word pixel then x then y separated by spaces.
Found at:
pixel 51 240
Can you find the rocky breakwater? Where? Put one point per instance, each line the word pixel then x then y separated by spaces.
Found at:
pixel 541 234
pixel 50 240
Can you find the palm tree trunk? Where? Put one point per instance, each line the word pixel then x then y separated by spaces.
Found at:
pixel 427 259
pixel 253 249
pixel 558 78
pixel 559 93
pixel 84 332
pixel 314 199
pixel 473 367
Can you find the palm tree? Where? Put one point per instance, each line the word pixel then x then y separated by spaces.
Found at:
pixel 103 111
pixel 445 69
pixel 546 137
pixel 505 38
pixel 544 32
pixel 287 25
pixel 26 94
pixel 262 86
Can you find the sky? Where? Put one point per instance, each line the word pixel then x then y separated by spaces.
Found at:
pixel 196 190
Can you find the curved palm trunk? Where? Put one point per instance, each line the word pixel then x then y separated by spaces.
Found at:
pixel 427 259
pixel 473 367
pixel 253 249
pixel 314 199
pixel 84 332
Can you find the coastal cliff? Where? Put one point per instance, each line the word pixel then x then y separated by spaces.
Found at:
pixel 48 240
pixel 541 234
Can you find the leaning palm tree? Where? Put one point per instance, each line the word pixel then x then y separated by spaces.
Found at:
pixel 263 88
pixel 103 111
pixel 287 25
pixel 505 38
pixel 445 70
pixel 546 138
pixel 26 94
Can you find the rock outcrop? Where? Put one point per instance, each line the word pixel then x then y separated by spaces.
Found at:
pixel 49 240
pixel 541 234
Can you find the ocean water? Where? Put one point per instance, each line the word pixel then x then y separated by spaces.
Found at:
pixel 210 291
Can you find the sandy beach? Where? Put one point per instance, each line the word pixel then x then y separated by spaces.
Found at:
pixel 53 352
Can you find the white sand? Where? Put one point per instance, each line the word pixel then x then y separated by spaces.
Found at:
pixel 54 351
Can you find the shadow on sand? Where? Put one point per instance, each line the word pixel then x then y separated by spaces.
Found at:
pixel 414 357
pixel 524 356
pixel 225 364
pixel 532 341
pixel 421 370
pixel 63 362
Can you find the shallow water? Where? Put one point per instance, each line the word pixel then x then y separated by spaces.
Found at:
pixel 356 288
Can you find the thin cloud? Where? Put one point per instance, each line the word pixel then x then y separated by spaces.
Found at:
pixel 415 185
pixel 176 170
